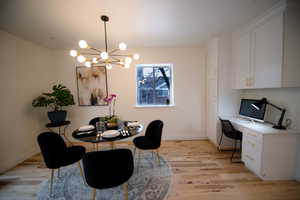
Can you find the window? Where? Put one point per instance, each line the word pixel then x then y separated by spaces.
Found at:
pixel 154 85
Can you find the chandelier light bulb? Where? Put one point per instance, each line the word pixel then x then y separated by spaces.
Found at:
pixel 128 60
pixel 122 46
pixel 136 56
pixel 88 64
pixel 108 66
pixel 95 60
pixel 127 65
pixel 104 55
pixel 83 44
pixel 81 59
pixel 73 53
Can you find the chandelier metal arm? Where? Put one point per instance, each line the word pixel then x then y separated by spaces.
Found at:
pixel 121 55
pixel 95 49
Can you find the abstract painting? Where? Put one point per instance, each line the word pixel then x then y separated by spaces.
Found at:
pixel 91 85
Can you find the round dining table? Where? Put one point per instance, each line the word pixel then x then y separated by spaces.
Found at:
pixel 95 138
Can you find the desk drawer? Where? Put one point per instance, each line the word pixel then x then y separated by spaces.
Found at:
pixel 252 135
pixel 251 154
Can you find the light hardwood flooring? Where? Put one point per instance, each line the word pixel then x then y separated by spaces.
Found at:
pixel 200 173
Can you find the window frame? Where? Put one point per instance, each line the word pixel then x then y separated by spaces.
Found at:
pixel 172 102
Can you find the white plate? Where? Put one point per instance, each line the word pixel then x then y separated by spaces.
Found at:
pixel 110 134
pixel 86 128
pixel 133 124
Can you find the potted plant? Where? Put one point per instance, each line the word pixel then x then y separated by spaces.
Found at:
pixel 59 97
pixel 112 119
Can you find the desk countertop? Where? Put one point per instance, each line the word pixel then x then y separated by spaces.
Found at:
pixel 263 128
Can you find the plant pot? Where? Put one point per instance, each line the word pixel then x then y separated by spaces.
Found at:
pixel 57 116
pixel 111 125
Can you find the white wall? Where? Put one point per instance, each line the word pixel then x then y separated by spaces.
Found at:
pixel 25 72
pixel 183 121
pixel 288 98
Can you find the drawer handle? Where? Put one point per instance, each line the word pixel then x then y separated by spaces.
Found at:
pixel 252 144
pixel 252 134
pixel 250 157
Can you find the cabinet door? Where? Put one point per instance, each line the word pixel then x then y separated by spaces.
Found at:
pixel 267 52
pixel 241 60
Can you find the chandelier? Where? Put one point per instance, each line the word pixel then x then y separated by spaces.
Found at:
pixel 91 56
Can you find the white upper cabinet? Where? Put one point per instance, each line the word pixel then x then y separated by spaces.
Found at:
pixel 241 61
pixel 267 52
pixel 264 52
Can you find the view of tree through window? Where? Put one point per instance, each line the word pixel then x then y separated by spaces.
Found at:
pixel 154 85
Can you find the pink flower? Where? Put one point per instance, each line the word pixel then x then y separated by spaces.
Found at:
pixel 109 98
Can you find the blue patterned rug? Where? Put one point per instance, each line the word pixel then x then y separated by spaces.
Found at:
pixel 149 182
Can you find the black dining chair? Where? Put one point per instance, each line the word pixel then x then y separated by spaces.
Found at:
pixel 151 140
pixel 106 169
pixel 56 154
pixel 94 121
pixel 229 131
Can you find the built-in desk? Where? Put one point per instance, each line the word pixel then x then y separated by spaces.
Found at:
pixel 270 153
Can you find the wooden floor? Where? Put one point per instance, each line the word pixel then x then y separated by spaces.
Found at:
pixel 200 173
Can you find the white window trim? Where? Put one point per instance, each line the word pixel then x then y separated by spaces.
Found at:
pixel 172 102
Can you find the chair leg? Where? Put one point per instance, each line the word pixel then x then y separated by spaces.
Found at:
pixel 125 185
pixel 220 142
pixel 51 183
pixel 94 194
pixel 139 158
pixel 134 153
pixel 240 146
pixel 158 160
pixel 112 145
pixel 234 150
pixel 81 172
pixel 58 173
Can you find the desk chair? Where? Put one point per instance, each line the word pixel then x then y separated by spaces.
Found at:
pixel 56 154
pixel 151 140
pixel 106 169
pixel 229 131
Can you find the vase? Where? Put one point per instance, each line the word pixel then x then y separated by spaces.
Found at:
pixel 57 116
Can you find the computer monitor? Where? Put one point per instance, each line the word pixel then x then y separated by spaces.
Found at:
pixel 250 112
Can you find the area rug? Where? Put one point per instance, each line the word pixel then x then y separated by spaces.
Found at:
pixel 149 182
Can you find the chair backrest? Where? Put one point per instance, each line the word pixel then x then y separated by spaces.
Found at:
pixel 154 132
pixel 94 121
pixel 52 147
pixel 106 169
pixel 227 127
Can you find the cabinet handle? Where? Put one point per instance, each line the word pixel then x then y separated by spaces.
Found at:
pixel 250 157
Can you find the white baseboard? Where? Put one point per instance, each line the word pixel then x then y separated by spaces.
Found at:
pixel 182 137
pixel 17 159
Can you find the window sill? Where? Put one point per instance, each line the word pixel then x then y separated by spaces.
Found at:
pixel 154 106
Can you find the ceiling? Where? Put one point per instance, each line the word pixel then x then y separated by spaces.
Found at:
pixel 60 24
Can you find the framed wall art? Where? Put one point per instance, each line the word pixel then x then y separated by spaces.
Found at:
pixel 91 85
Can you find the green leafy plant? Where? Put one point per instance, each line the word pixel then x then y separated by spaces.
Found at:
pixel 59 97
